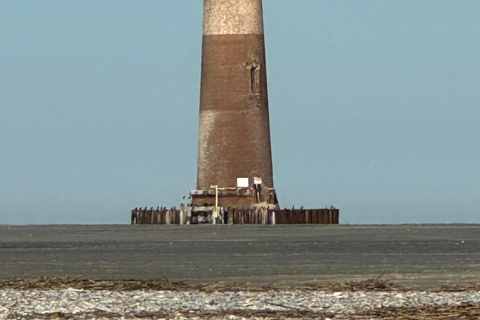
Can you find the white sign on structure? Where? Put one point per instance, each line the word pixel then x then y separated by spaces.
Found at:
pixel 242 182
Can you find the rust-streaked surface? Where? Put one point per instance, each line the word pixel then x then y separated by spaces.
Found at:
pixel 234 131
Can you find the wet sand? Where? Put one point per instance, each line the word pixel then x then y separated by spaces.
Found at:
pixel 416 256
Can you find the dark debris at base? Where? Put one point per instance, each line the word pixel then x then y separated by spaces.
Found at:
pixel 59 283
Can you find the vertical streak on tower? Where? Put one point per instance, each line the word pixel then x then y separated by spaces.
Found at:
pixel 234 130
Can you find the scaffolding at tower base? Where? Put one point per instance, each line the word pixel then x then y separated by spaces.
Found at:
pixel 251 196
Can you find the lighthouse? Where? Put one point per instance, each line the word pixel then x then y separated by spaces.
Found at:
pixel 234 166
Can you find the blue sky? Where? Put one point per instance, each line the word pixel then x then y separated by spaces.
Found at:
pixel 374 106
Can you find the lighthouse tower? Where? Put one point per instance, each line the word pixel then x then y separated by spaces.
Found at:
pixel 234 151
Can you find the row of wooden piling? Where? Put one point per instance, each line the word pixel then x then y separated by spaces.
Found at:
pixel 240 216
pixel 158 216
pixel 308 216
pixel 251 216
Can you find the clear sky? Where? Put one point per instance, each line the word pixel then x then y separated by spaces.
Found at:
pixel 374 106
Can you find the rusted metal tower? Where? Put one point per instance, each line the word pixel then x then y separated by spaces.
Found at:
pixel 234 153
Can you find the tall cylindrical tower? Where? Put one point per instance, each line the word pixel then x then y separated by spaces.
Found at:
pixel 234 130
